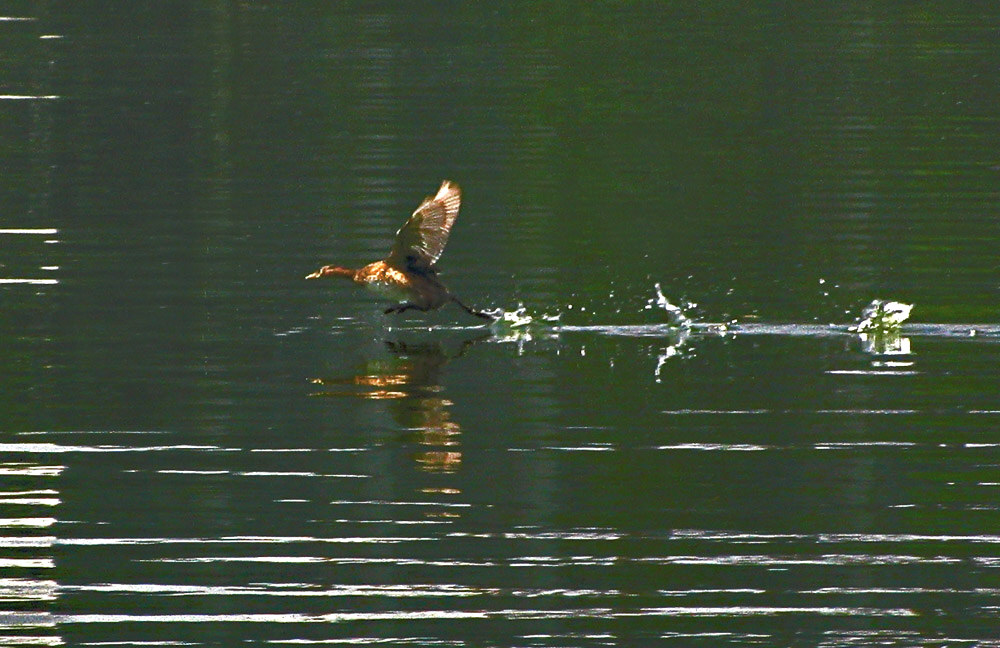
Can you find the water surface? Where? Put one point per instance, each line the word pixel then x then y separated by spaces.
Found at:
pixel 197 447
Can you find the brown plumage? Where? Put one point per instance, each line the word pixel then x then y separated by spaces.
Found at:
pixel 408 274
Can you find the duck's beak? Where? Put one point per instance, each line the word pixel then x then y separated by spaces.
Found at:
pixel 317 274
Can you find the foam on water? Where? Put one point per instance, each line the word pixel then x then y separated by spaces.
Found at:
pixel 521 324
pixel 520 318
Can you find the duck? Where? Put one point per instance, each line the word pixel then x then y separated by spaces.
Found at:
pixel 409 274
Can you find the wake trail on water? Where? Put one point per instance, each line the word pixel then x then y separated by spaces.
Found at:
pixel 674 316
pixel 880 325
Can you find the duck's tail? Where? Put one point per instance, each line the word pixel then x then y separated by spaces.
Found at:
pixel 472 311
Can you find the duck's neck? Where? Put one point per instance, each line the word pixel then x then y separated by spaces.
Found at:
pixel 337 271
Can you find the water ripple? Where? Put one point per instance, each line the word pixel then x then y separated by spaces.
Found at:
pixel 267 540
pixel 510 614
pixel 764 560
pixel 30 470
pixel 286 590
pixel 54 448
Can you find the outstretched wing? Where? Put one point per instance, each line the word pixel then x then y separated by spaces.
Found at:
pixel 421 240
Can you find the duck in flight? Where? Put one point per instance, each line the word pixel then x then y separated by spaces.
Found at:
pixel 408 275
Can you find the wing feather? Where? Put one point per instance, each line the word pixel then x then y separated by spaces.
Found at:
pixel 421 240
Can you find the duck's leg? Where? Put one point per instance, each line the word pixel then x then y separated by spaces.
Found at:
pixel 472 311
pixel 399 308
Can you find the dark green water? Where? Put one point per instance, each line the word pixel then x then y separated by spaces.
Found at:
pixel 197 447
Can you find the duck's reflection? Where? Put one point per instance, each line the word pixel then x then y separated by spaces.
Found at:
pixel 411 381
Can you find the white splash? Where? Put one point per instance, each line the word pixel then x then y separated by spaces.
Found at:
pixel 675 314
pixel 881 315
pixel 879 328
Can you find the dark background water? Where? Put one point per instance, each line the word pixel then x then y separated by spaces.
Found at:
pixel 198 446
